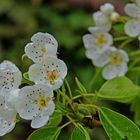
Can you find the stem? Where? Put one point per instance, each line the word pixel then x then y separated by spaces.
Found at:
pixel 64 125
pixel 69 90
pixel 134 53
pixel 125 43
pixel 120 38
pixel 96 97
pixel 70 102
pixel 72 121
pixel 89 105
pixel 83 95
pixel 98 70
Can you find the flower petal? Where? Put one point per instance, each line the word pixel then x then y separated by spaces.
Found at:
pixel 89 41
pixel 26 109
pixel 36 73
pixel 132 28
pixel 10 76
pixel 101 20
pixel 101 60
pixel 112 71
pixel 50 109
pixel 132 10
pixel 54 67
pixel 43 39
pixel 39 121
pixel 34 52
pixel 107 8
pixel 6 126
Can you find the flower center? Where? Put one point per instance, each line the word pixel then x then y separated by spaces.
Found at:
pixel 43 101
pixel 52 76
pixel 43 50
pixel 43 53
pixel 116 59
pixel 101 40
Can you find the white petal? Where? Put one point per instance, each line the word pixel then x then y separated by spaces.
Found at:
pixel 2 103
pixel 50 50
pixel 62 68
pixel 43 39
pixel 7 121
pixel 96 30
pixel 132 28
pixel 107 8
pixel 10 80
pixel 124 55
pixel 108 38
pixel 8 65
pixel 101 60
pixel 132 10
pixel 12 97
pixel 27 110
pixel 47 90
pixel 101 20
pixel 112 71
pixel 34 52
pixel 50 109
pixel 36 73
pixel 6 126
pixel 89 41
pixel 39 121
pixel 42 118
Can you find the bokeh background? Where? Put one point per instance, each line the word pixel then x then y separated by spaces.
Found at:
pixel 67 21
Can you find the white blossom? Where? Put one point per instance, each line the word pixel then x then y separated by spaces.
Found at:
pixel 35 103
pixel 51 72
pixel 10 77
pixel 96 42
pixel 114 62
pixel 42 45
pixel 7 116
pixel 132 27
pixel 105 17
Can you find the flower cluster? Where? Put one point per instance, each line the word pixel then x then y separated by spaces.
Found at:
pixel 35 102
pixel 99 44
pixel 132 27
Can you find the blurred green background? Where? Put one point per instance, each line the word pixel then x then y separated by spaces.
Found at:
pixel 67 21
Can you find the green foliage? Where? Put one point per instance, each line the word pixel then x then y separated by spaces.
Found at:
pixel 55 119
pixel 135 107
pixel 119 89
pixel 80 133
pixel 48 133
pixel 117 126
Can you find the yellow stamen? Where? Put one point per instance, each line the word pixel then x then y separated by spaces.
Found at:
pixel 52 76
pixel 116 59
pixel 101 40
pixel 43 101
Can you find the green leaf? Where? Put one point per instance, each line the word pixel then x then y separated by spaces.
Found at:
pixel 119 89
pixel 117 126
pixel 135 107
pixel 80 86
pixel 80 133
pixel 119 27
pixel 55 119
pixel 48 133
